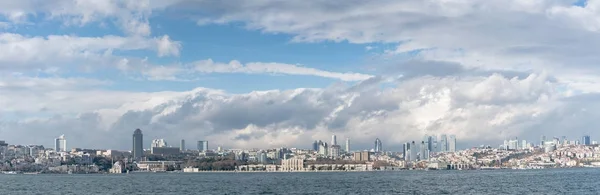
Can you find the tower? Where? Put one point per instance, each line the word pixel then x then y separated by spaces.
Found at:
pixel 443 143
pixel 378 145
pixel 347 144
pixel 182 145
pixel 60 144
pixel 333 140
pixel 138 146
pixel 202 146
pixel 452 143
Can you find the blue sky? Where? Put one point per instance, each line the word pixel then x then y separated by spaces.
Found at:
pixel 221 43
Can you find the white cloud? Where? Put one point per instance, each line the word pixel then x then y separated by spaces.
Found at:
pixel 130 15
pixel 543 35
pixel 24 52
pixel 208 66
pixel 295 117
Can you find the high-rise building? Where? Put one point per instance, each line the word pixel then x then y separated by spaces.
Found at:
pixel 443 143
pixel 158 143
pixel 378 145
pixel 348 145
pixel 413 151
pixel 361 156
pixel 138 144
pixel 60 144
pixel 564 141
pixel 333 140
pixel 182 145
pixel 406 151
pixel 523 144
pixel 315 145
pixel 434 145
pixel 423 154
pixel 202 146
pixel 334 151
pixel 585 140
pixel 452 143
pixel 323 149
pixel 542 140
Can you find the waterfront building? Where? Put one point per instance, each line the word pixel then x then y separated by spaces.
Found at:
pixel 452 143
pixel 117 168
pixel 60 144
pixel 443 143
pixel 138 145
pixel 202 146
pixel 294 164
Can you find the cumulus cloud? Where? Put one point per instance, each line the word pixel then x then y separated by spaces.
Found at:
pixel 495 108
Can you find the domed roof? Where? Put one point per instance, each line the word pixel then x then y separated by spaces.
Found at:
pixel 137 131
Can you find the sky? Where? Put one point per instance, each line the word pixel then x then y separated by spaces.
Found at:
pixel 270 73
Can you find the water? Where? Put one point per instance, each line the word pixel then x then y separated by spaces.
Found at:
pixel 548 181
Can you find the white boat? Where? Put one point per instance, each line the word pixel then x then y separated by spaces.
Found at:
pixel 10 173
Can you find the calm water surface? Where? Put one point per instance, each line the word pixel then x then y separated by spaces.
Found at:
pixel 548 181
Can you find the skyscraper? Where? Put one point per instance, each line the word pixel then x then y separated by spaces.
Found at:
pixel 443 143
pixel 423 154
pixel 542 140
pixel 413 151
pixel 434 144
pixel 347 144
pixel 138 144
pixel 315 145
pixel 333 140
pixel 60 144
pixel 378 145
pixel 182 145
pixel 585 140
pixel 452 143
pixel 426 140
pixel 406 151
pixel 202 146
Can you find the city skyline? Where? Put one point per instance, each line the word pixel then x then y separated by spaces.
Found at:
pixel 429 142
